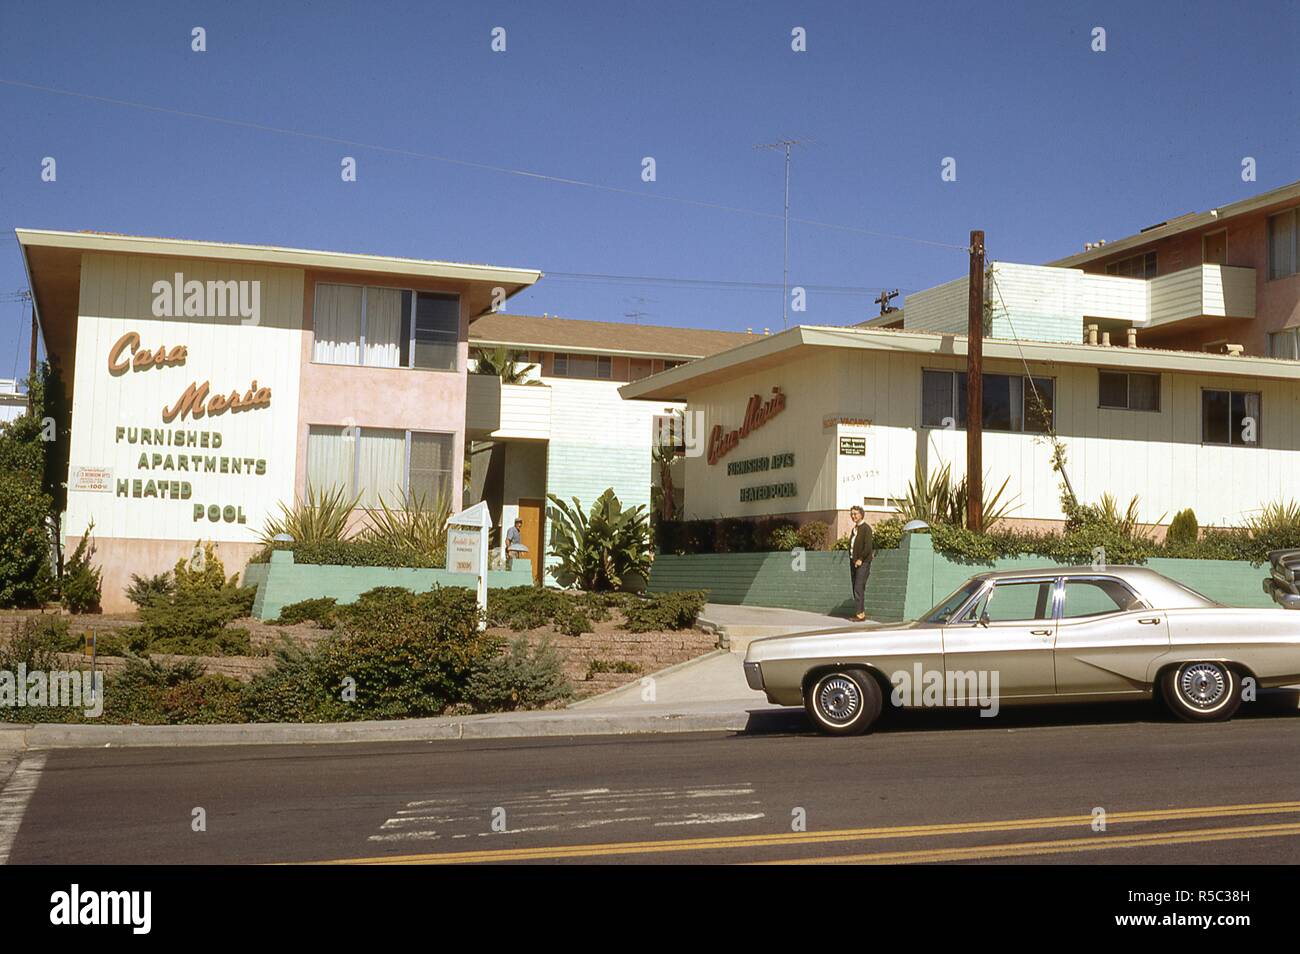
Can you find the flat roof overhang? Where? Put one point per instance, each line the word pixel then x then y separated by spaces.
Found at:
pixel 53 263
pixel 1186 223
pixel 676 384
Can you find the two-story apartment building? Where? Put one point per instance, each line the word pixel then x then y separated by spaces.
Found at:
pixel 210 383
pixel 1165 362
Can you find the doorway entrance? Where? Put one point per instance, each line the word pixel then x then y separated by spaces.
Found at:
pixel 532 513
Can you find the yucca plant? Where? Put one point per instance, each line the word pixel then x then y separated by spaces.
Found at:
pixel 935 499
pixel 415 525
pixel 320 517
pixel 607 548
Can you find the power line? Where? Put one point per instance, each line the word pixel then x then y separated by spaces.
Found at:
pixel 595 278
pixel 487 167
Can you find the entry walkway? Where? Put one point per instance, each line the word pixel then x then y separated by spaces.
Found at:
pixel 738 626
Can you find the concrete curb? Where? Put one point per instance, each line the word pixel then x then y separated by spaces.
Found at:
pixel 541 724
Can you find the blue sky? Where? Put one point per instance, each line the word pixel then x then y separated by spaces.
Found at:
pixel 1055 144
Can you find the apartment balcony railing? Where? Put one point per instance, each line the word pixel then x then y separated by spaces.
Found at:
pixel 500 411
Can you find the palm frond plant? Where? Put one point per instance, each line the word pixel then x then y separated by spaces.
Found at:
pixel 606 548
pixel 415 525
pixel 320 517
pixel 504 363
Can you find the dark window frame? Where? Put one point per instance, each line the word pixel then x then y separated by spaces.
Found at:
pixel 958 410
pixel 1234 440
pixel 1128 391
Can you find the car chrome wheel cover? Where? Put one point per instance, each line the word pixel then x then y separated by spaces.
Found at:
pixel 1203 686
pixel 839 700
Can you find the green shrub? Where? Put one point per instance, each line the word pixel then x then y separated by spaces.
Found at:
pixel 79 589
pixel 320 611
pixel 151 692
pixel 618 665
pixel 1183 529
pixel 146 589
pixel 192 621
pixel 408 654
pixel 35 644
pixel 321 517
pixel 887 534
pixel 24 540
pixel 665 611
pixel 814 535
pixel 518 677
pixel 354 552
pixel 572 621
pixel 784 538
pixel 294 689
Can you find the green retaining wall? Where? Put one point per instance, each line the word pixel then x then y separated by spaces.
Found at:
pixel 905 582
pixel 282 581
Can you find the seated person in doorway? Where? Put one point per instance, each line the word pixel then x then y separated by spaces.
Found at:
pixel 515 543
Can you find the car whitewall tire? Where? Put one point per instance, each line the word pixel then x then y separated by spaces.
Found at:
pixel 1202 691
pixel 843 702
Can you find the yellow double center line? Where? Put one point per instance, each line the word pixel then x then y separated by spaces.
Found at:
pixel 786 839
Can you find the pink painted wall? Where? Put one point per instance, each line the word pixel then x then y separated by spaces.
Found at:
pixel 408 398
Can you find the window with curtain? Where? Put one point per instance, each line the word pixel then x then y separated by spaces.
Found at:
pixel 385 327
pixel 1128 392
pixel 331 458
pixel 1284 344
pixel 430 475
pixel 1230 417
pixel 1283 244
pixel 381 467
pixel 374 464
pixel 383 331
pixel 1011 402
pixel 336 324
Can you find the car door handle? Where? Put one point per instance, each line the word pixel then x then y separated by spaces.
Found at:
pixel 1150 621
pixel 1040 632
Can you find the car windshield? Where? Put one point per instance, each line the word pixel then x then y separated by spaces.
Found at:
pixel 953 602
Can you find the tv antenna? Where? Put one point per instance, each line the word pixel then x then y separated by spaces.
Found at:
pixel 787 145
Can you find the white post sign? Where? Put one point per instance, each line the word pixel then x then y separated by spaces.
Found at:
pixel 467 548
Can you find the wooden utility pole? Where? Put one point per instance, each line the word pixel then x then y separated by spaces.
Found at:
pixel 975 386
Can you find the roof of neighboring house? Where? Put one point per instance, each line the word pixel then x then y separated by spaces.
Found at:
pixel 1184 223
pixel 603 337
pixel 771 351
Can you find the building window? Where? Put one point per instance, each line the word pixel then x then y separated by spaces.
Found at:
pixel 1011 402
pixel 1128 392
pixel 385 327
pixel 596 366
pixel 1230 417
pixel 378 464
pixel 1284 344
pixel 1283 244
pixel 1138 266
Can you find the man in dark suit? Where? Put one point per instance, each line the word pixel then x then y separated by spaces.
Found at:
pixel 860 554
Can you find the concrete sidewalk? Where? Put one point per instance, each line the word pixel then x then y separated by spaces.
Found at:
pixel 738 626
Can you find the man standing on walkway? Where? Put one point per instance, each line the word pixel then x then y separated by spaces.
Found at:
pixel 860 554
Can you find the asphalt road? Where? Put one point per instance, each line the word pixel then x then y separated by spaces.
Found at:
pixel 927 787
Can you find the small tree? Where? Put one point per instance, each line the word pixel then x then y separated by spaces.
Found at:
pixel 1183 529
